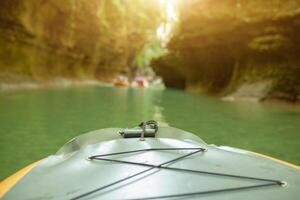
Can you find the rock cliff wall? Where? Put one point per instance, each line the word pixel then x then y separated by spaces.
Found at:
pixel 230 47
pixel 43 39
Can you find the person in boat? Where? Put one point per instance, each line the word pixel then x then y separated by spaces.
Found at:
pixel 121 80
pixel 140 81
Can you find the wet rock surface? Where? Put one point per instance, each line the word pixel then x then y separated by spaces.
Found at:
pixel 42 39
pixel 225 45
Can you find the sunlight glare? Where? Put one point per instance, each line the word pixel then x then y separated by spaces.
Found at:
pixel 170 10
pixel 164 31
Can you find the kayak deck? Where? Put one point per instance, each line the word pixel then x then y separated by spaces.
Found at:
pixel 79 171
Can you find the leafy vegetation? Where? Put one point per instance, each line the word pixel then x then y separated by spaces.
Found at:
pixel 150 51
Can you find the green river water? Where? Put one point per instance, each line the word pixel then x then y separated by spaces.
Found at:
pixel 36 123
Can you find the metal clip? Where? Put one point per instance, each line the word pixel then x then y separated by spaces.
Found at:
pixel 143 127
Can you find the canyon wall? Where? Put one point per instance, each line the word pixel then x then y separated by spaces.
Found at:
pixel 235 48
pixel 94 39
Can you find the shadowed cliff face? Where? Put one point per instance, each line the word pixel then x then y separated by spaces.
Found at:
pixel 42 39
pixel 222 45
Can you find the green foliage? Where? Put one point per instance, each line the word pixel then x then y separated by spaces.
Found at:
pixel 150 51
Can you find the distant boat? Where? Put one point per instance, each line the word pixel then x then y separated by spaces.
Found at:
pixel 151 162
pixel 121 81
pixel 140 81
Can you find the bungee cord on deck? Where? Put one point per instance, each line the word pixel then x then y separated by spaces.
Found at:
pixel 270 182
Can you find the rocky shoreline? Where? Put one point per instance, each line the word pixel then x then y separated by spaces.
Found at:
pixel 244 95
pixel 56 83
